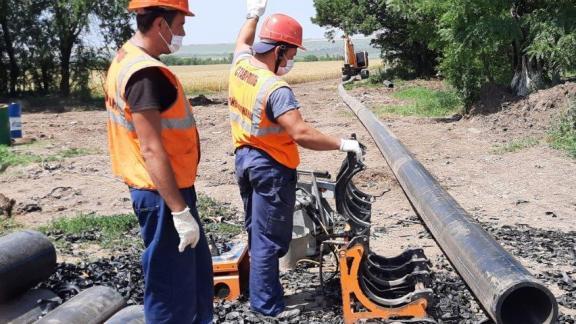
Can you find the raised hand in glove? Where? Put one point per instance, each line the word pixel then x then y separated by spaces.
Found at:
pixel 347 145
pixel 187 229
pixel 256 7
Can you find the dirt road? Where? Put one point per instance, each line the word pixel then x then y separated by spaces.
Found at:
pixel 535 186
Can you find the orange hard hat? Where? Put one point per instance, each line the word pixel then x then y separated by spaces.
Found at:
pixel 180 5
pixel 282 28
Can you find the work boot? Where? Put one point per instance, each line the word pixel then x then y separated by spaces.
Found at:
pixel 288 313
pixel 284 315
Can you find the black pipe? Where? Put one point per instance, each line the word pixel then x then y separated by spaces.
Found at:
pixel 92 306
pixel 28 307
pixel 129 315
pixel 506 290
pixel 26 258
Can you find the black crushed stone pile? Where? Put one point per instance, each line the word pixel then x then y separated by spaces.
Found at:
pixel 301 287
pixel 123 273
pixel 218 245
pixel 202 100
pixel 453 302
pixel 554 250
pixel 550 248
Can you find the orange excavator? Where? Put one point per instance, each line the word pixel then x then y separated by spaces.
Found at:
pixel 354 63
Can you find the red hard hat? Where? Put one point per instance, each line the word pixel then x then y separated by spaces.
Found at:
pixel 180 5
pixel 282 28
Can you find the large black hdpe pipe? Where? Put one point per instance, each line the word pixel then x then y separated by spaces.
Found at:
pixel 129 315
pixel 28 307
pixel 506 290
pixel 92 306
pixel 26 258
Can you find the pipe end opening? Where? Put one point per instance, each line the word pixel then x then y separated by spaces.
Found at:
pixel 532 304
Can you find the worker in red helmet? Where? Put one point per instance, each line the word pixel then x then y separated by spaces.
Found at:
pixel 267 129
pixel 155 149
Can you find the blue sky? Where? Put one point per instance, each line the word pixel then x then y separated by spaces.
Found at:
pixel 218 21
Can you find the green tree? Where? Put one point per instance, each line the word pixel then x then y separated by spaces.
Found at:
pixel 403 31
pixel 114 22
pixel 3 68
pixel 42 43
pixel 310 58
pixel 526 44
pixel 10 10
pixel 69 20
pixel 547 45
pixel 475 38
pixel 40 60
pixel 21 25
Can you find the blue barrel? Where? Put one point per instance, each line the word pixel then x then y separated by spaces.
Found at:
pixel 15 111
pixel 4 126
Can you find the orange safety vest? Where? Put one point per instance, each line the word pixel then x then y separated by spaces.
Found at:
pixel 179 133
pixel 249 88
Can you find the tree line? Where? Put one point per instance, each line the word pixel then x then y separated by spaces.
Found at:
pixel 44 46
pixel 178 60
pixel 49 47
pixel 524 44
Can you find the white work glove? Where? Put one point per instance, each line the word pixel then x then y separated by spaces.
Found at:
pixel 347 145
pixel 256 7
pixel 187 229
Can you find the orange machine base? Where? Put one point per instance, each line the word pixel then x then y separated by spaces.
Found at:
pixel 349 265
pixel 231 272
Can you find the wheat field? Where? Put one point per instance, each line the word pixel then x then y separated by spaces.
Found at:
pixel 212 78
pixel 201 79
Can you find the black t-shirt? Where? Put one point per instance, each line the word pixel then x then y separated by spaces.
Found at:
pixel 150 89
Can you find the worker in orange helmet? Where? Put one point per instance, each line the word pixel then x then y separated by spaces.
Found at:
pixel 266 130
pixel 155 149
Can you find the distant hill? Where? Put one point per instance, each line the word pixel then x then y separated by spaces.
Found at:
pixel 313 46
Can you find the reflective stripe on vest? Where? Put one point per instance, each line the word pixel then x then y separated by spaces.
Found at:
pixel 186 122
pixel 249 91
pixel 178 134
pixel 254 128
pixel 120 120
pixel 119 101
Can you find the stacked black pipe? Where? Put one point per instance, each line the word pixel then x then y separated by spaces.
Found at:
pixel 28 258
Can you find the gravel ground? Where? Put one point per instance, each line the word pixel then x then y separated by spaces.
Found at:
pixel 524 198
pixel 453 302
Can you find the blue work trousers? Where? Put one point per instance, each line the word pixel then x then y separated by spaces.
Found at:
pixel 178 286
pixel 268 190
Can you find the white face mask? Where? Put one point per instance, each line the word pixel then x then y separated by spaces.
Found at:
pixel 285 69
pixel 176 42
